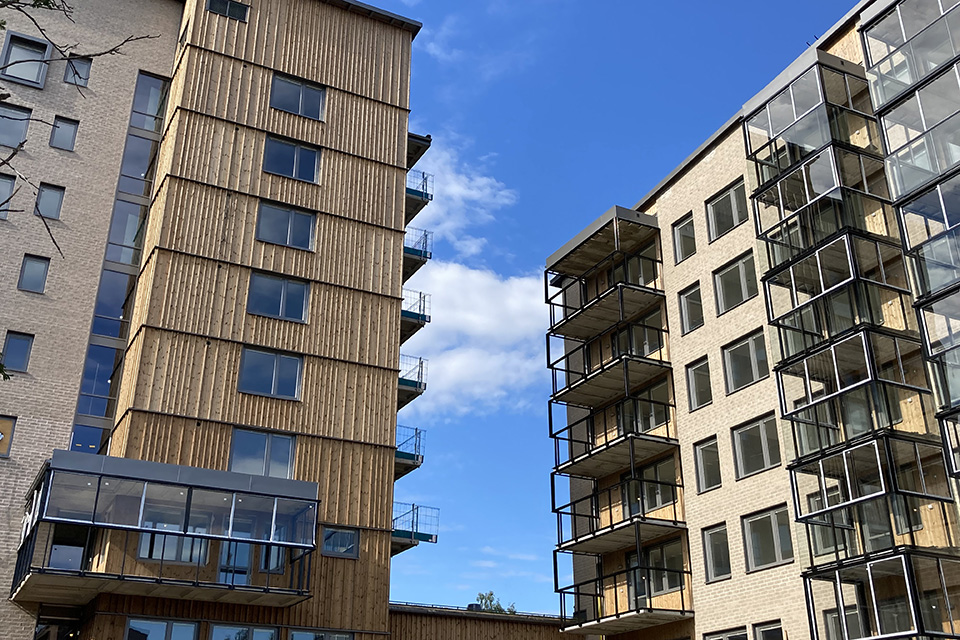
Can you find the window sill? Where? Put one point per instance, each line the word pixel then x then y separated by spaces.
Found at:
pixel 756 473
pixel 295 113
pixel 264 315
pixel 287 246
pixel 782 563
pixel 685 259
pixel 700 492
pixel 283 175
pixel 328 554
pixel 747 386
pixel 688 332
pixel 707 404
pixel 268 395
pixel 739 304
pixel 21 81
pixel 729 576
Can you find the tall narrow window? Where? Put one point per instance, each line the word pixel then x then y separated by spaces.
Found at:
pixel 757 447
pixel 698 384
pixel 691 309
pixel 666 562
pixel 261 454
pixel 684 239
pixel 278 297
pixel 708 464
pixel 296 96
pixel 7 187
pixel 64 133
pixel 33 274
pixel 25 59
pixel 16 351
pixel 49 201
pixel 716 552
pixel 291 160
pixel 270 373
pixel 659 484
pixel 745 362
pixel 735 283
pixel 727 211
pixel 77 71
pixel 13 125
pixel 768 538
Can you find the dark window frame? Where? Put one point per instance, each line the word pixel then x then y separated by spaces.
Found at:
pixel 6 341
pixel 708 560
pixel 298 147
pixel 754 361
pixel 770 513
pixel 6 197
pixel 292 211
pixel 44 60
pixel 718 290
pixel 46 272
pixel 689 371
pixel 682 303
pixel 285 282
pixel 276 362
pixel 9 444
pixel 71 73
pixel 51 188
pixel 226 11
pixel 760 423
pixel 266 451
pixel 303 84
pixel 355 554
pixel 675 228
pixel 729 190
pixel 25 115
pixel 58 121
pixel 697 446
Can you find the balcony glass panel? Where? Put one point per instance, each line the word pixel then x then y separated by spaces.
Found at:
pixel 210 512
pixel 164 507
pixel 72 497
pixel 255 515
pixel 119 502
pixel 294 522
pixel 932 213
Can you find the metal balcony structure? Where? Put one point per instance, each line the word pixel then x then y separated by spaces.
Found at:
pixel 417 145
pixel 413 524
pixel 419 193
pixel 414 313
pixel 95 524
pixel 409 454
pixel 412 381
pixel 417 250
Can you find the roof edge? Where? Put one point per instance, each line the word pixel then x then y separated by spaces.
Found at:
pixel 378 14
pixel 457 612
pixel 621 213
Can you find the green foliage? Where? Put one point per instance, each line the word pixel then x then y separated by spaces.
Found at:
pixel 491 603
pixel 3 372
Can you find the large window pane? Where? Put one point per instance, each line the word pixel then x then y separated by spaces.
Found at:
pixel 72 496
pixel 13 125
pixel 119 502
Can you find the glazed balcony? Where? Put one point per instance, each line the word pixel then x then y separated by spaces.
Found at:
pixel 606 440
pixel 95 524
pixel 417 250
pixel 596 373
pixel 414 313
pixel 904 593
pixel 412 381
pixel 618 287
pixel 924 159
pixel 409 454
pixel 612 518
pixel 950 426
pixel 419 193
pixel 630 600
pixel 413 524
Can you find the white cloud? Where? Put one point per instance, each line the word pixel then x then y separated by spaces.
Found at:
pixel 439 42
pixel 485 342
pixel 509 555
pixel 464 197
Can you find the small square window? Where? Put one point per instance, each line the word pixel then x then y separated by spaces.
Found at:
pixel 716 553
pixel 13 125
pixel 745 362
pixel 33 274
pixel 77 71
pixel 285 226
pixel 684 239
pixel 698 384
pixel 261 454
pixel 16 351
pixel 768 538
pixel 49 201
pixel 756 447
pixel 295 96
pixel 25 59
pixel 7 187
pixel 229 8
pixel 291 160
pixel 343 543
pixel 270 373
pixel 6 435
pixel 727 211
pixel 64 134
pixel 707 456
pixel 691 309
pixel 276 297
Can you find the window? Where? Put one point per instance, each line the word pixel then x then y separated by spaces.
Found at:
pixel 64 134
pixel 320 635
pixel 735 634
pixel 698 384
pixel 77 71
pixel 291 160
pixel 341 542
pixel 278 297
pixel 231 9
pixel 49 201
pixel 126 232
pixel 25 59
pixel 735 283
pixel 727 211
pixel 667 557
pixel 33 274
pixel 281 225
pixel 745 362
pixel 270 374
pixel 769 631
pixel 298 97
pixel 707 456
pixel 756 447
pixel 13 125
pixel 691 309
pixel 767 539
pixel 160 630
pixel 149 102
pixel 684 240
pixel 224 632
pixel 16 351
pixel 659 484
pixel 261 454
pixel 6 435
pixel 7 187
pixel 716 552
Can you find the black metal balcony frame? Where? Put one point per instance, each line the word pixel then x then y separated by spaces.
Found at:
pixel 950 430
pixel 864 593
pixel 639 600
pixel 415 522
pixel 586 514
pixel 576 442
pixel 574 299
pixel 562 371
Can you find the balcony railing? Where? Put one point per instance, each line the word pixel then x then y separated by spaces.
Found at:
pixel 413 379
pixel 605 441
pixel 413 524
pixel 409 454
pixel 420 185
pixel 618 287
pixel 590 374
pixel 416 306
pixel 418 243
pixel 95 524
pixel 624 601
pixel 603 521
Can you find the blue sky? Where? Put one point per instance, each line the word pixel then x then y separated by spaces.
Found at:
pixel 544 114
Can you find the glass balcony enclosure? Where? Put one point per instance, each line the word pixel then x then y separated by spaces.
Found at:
pixel 930 221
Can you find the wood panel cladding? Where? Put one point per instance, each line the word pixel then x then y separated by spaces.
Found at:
pixel 315 41
pixel 200 296
pixel 348 186
pixel 218 224
pixel 408 624
pixel 230 89
pixel 194 376
pixel 347 594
